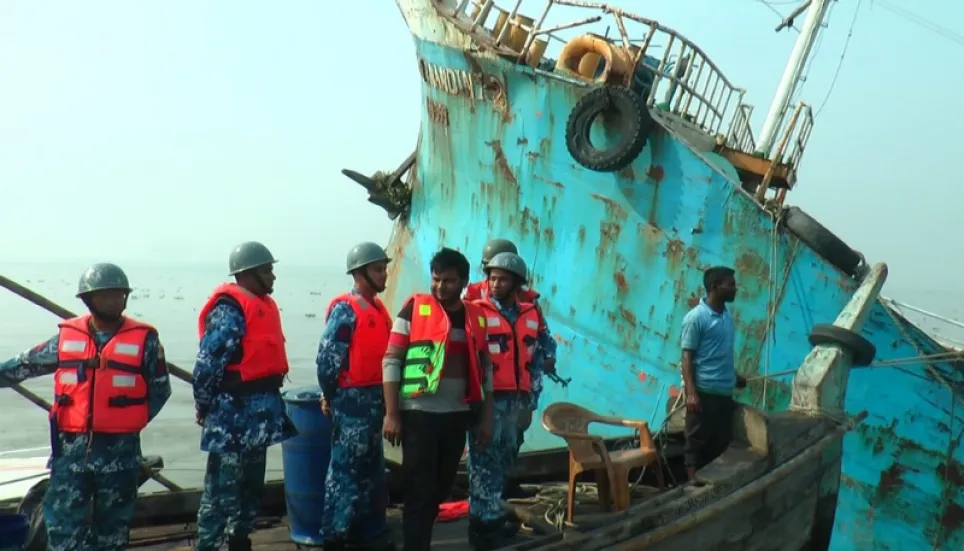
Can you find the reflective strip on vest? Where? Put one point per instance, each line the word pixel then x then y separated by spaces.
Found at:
pixel 420 375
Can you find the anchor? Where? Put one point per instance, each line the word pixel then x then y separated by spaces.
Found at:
pixel 386 190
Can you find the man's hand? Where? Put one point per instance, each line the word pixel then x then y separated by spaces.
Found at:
pixel 692 401
pixel 740 382
pixel 392 428
pixel 549 367
pixel 199 418
pixel 325 408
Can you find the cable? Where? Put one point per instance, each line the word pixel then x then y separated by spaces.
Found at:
pixel 813 56
pixel 843 54
pixel 922 22
pixel 770 5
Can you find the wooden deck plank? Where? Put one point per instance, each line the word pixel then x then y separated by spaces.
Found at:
pixel 754 168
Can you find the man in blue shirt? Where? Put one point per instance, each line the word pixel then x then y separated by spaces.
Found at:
pixel 709 375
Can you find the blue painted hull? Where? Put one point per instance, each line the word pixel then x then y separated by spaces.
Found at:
pixel 618 258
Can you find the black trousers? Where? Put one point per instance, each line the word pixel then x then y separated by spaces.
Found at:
pixel 432 445
pixel 709 431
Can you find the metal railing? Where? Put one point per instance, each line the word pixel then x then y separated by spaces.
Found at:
pixel 685 81
pixel 741 137
pixel 803 127
pixel 795 135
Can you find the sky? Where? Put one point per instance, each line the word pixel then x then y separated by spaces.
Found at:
pixel 170 131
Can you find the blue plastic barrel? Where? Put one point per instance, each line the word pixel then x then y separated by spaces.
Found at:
pixel 305 459
pixel 13 532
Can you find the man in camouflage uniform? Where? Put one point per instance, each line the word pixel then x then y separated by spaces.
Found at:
pixel 350 375
pixel 546 361
pixel 516 395
pixel 94 476
pixel 238 426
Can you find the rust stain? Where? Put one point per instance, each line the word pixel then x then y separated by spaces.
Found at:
pixel 533 156
pixel 674 254
pixel 890 481
pixel 608 234
pixel 501 163
pixel 522 141
pixel 529 222
pixel 641 376
pixel 621 283
pixel 952 473
pixel 400 243
pixel 549 236
pixel 953 517
pixel 551 182
pixel 613 208
pixel 627 315
pixel 655 173
pixel 554 289
pixel 582 234
pixel 751 264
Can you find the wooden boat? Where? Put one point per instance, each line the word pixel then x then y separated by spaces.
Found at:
pixel 775 488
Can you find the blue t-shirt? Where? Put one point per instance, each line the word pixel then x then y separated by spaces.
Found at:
pixel 710 335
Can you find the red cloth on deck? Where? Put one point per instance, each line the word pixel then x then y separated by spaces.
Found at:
pixel 453 510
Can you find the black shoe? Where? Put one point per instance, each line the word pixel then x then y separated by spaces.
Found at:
pixel 334 545
pixel 239 543
pixel 485 536
pixel 380 543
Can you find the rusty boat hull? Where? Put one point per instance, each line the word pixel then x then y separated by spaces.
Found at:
pixel 618 258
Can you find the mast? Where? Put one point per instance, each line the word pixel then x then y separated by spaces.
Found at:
pixel 791 75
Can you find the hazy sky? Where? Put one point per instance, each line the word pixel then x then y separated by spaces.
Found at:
pixel 147 130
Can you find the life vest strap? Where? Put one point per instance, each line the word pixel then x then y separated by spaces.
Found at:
pixel 232 384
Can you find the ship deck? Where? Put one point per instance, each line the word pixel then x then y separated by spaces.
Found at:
pixel 272 532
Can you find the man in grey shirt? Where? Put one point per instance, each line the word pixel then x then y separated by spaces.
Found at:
pixel 437 379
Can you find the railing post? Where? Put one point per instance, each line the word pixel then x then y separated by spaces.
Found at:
pixel 535 32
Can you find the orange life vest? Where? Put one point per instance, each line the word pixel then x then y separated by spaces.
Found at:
pixel 368 342
pixel 511 366
pixel 480 291
pixel 429 342
pixel 100 391
pixel 263 363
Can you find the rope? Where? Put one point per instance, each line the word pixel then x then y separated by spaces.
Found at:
pixel 773 296
pixel 554 496
pixel 927 359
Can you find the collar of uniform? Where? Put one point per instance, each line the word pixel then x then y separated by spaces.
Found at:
pixel 510 308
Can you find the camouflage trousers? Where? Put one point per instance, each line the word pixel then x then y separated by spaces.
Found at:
pixel 89 510
pixel 355 497
pixel 233 485
pixel 490 465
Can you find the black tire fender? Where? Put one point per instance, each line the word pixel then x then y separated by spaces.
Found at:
pixel 862 350
pixel 624 108
pixel 822 241
pixel 32 507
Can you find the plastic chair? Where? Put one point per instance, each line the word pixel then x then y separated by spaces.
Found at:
pixel 587 452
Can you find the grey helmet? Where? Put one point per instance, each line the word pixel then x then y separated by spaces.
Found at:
pixel 495 246
pixel 363 254
pixel 247 256
pixel 509 262
pixel 101 277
